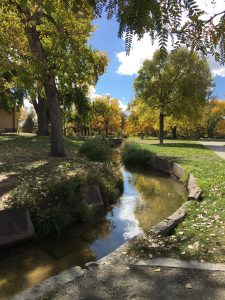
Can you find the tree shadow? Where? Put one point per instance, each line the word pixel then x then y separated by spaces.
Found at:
pixel 121 281
pixel 183 145
pixel 24 157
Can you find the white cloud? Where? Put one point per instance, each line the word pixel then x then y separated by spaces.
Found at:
pixel 123 106
pixel 93 95
pixel 143 49
pixel 216 68
pixel 211 9
pixel 140 50
pixel 27 105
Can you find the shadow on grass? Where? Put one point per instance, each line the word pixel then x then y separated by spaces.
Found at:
pixel 182 145
pixel 27 156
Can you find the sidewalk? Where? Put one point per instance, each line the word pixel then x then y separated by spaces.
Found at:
pixel 217 147
pixel 123 278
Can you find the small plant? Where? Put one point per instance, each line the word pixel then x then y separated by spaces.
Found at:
pixel 28 125
pixel 133 154
pixel 96 148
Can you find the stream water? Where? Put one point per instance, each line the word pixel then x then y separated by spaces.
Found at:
pixel 148 198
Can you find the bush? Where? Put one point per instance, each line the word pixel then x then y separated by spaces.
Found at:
pixel 28 125
pixel 59 201
pixel 134 155
pixel 53 204
pixel 96 148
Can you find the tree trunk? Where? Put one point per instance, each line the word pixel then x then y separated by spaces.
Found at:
pixel 14 118
pixel 174 132
pixel 161 128
pixel 57 142
pixel 42 116
pixel 48 78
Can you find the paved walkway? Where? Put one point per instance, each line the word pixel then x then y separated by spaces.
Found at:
pixel 217 147
pixel 122 278
pixel 119 276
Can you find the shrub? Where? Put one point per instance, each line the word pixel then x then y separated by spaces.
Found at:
pixel 53 204
pixel 133 154
pixel 59 201
pixel 96 148
pixel 28 125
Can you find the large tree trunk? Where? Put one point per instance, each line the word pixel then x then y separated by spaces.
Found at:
pixel 42 116
pixel 174 132
pixel 57 144
pixel 161 128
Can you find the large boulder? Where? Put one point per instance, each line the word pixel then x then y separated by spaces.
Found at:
pixel 177 171
pixel 93 197
pixel 161 164
pixel 195 193
pixel 15 227
pixel 165 227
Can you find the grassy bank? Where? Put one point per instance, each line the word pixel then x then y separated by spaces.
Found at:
pixel 202 235
pixel 51 188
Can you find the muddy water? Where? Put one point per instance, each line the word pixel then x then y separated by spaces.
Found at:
pixel 148 198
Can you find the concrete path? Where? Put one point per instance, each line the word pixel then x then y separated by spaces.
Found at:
pixel 121 278
pixel 217 146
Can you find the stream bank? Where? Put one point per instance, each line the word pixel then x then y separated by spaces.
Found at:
pixel 149 197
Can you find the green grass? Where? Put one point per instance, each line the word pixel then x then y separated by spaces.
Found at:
pixel 96 148
pixel 50 187
pixel 202 235
pixel 134 155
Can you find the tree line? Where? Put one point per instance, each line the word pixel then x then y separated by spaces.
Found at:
pixel 45 54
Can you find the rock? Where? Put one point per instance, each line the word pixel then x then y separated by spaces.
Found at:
pixel 177 170
pixel 15 226
pixel 93 197
pixel 91 265
pixel 195 192
pixel 161 164
pixel 166 226
pixel 136 238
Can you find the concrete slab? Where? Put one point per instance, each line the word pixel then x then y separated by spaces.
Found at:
pixel 176 263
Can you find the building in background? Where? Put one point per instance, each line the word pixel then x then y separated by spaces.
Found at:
pixel 8 121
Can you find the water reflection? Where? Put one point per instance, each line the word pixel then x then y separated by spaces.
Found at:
pixel 148 198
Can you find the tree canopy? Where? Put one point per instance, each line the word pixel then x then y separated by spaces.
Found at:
pixel 176 85
pixel 181 20
pixel 46 42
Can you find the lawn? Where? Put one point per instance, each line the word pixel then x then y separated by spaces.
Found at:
pixel 202 235
pixel 25 157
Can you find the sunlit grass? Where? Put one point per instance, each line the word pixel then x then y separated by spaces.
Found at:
pixel 202 234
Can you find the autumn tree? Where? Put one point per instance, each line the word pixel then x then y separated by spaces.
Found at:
pixel 52 37
pixel 142 120
pixel 176 85
pixel 214 116
pixel 106 115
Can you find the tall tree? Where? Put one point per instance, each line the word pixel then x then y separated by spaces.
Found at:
pixel 176 85
pixel 106 115
pixel 54 36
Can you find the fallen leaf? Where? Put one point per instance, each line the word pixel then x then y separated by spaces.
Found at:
pixel 157 270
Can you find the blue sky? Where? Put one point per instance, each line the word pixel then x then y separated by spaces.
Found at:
pixel 121 71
